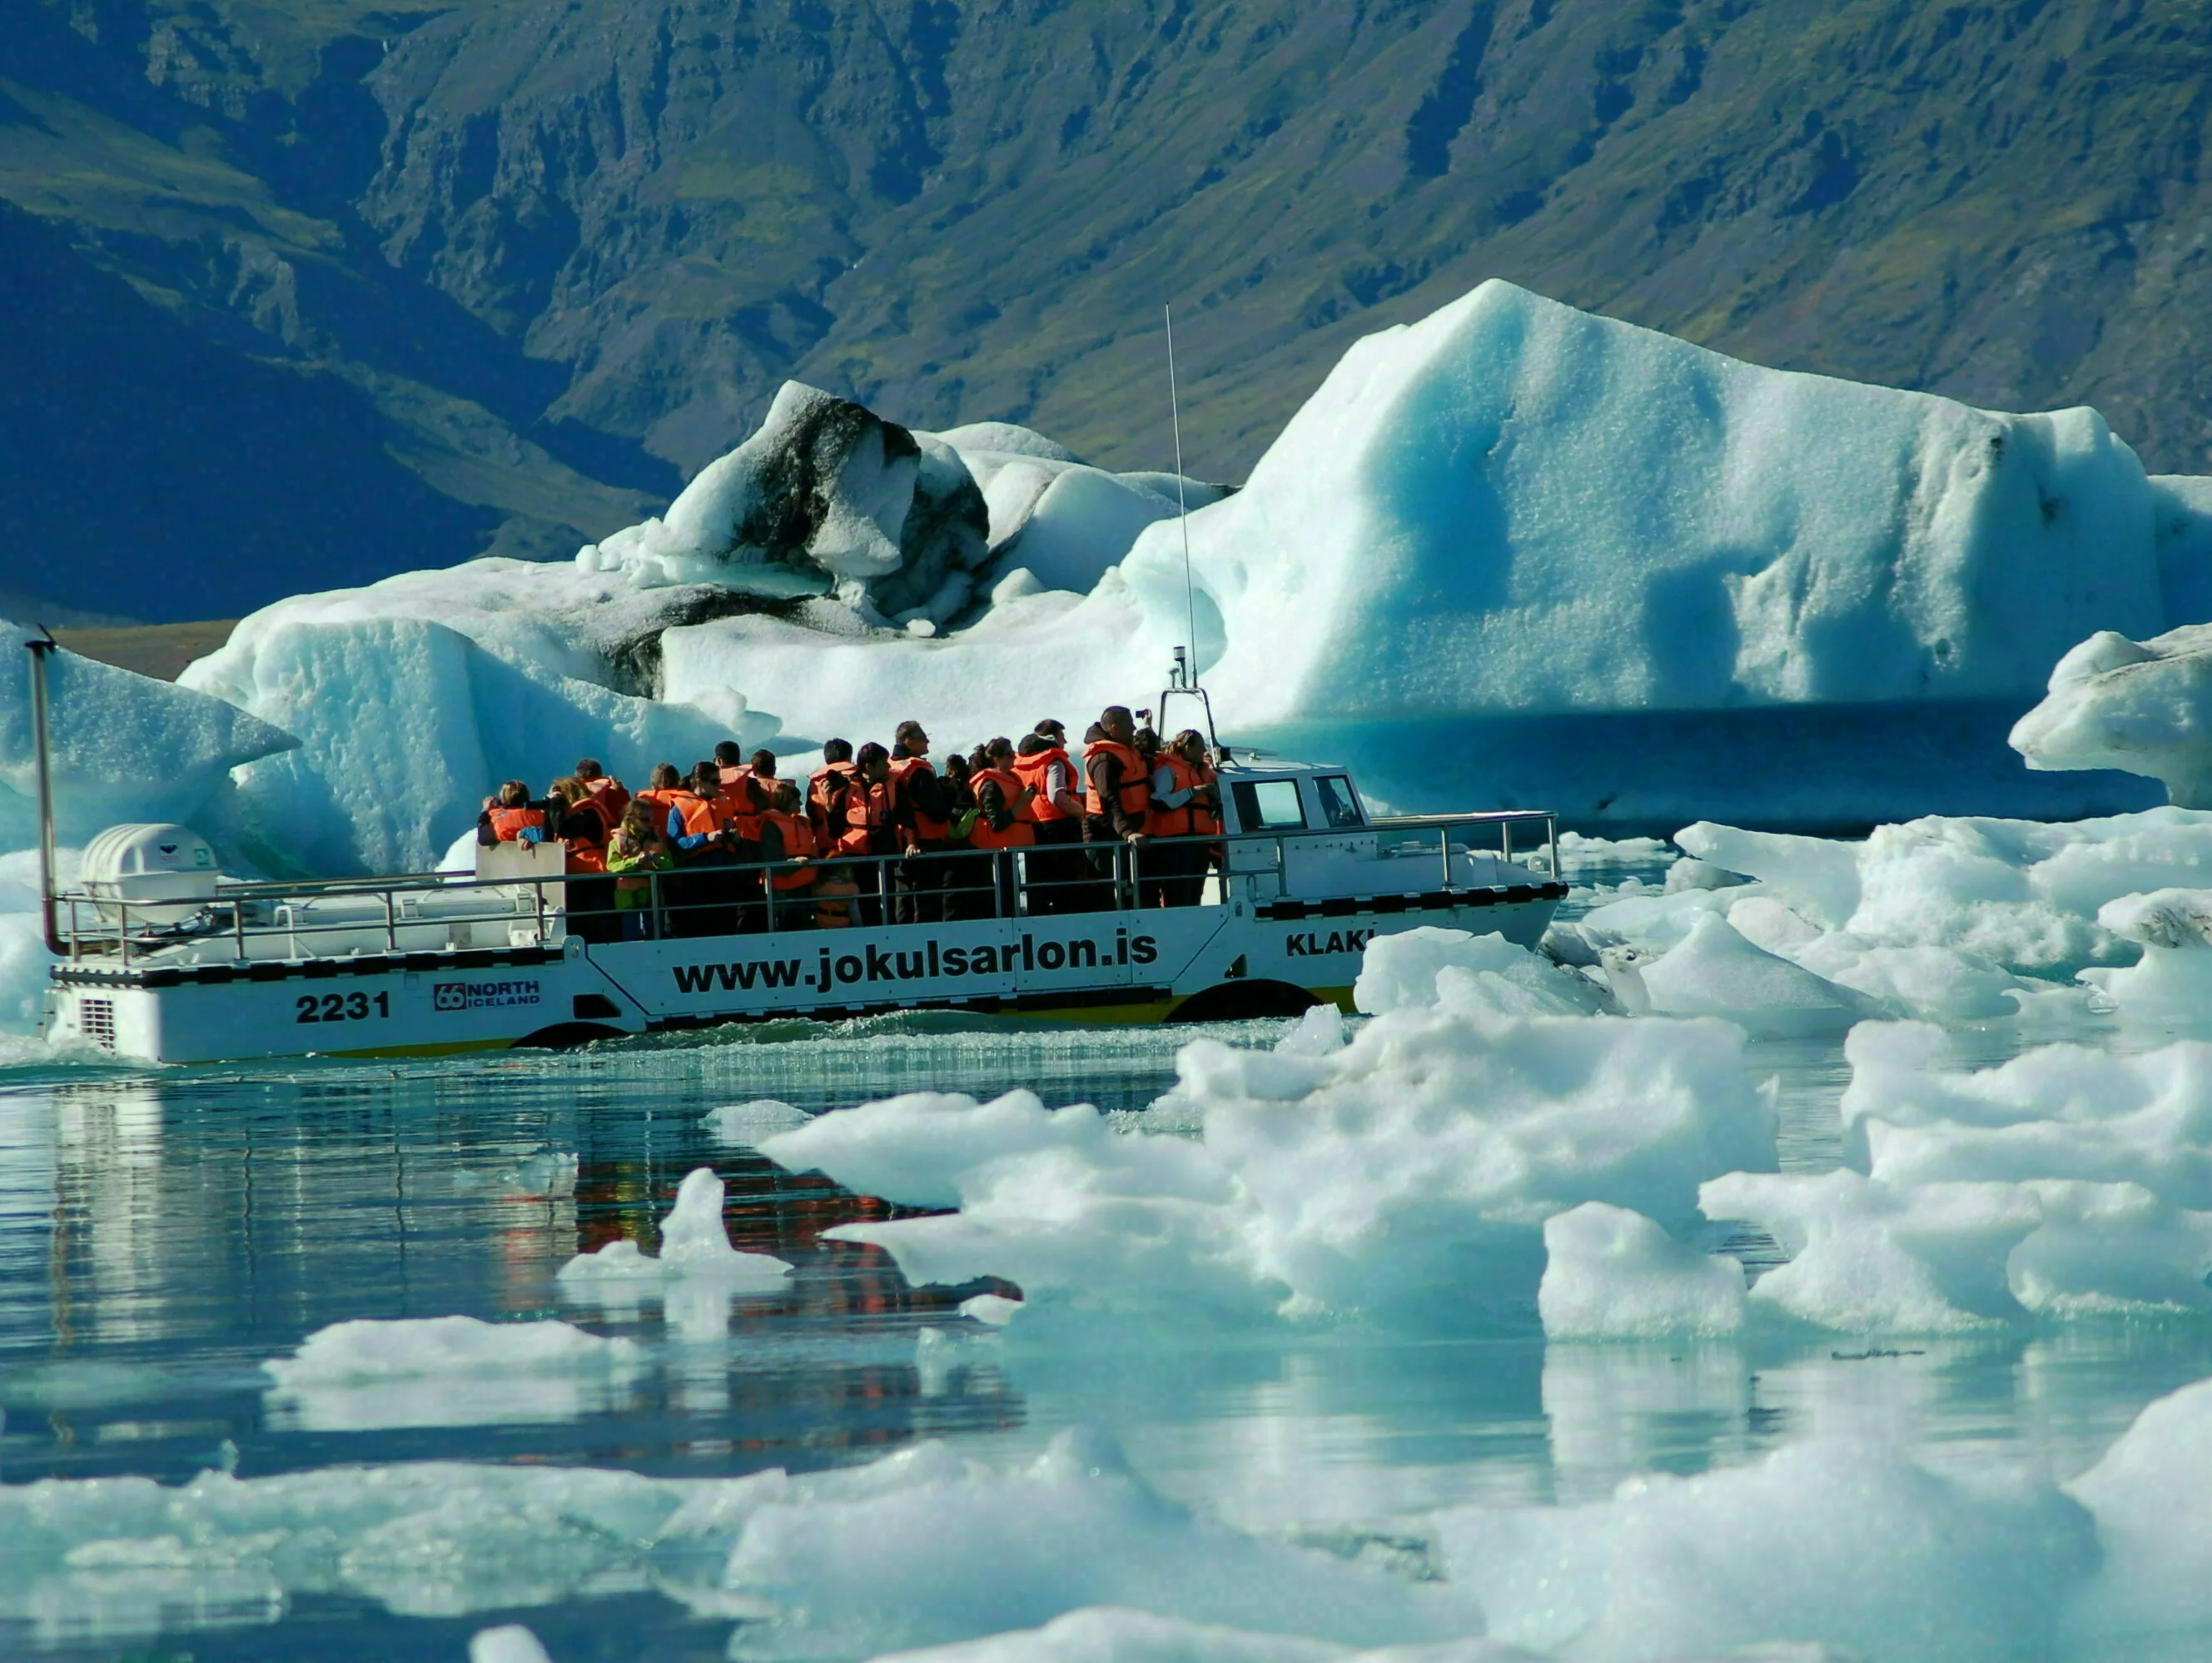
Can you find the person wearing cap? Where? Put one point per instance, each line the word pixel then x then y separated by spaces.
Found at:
pixel 1117 797
pixel 927 816
pixel 1057 872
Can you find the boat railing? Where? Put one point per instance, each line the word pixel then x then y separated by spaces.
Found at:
pixel 445 912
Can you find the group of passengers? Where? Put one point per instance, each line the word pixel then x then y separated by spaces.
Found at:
pixel 879 833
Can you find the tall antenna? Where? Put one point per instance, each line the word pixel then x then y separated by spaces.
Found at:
pixel 1182 509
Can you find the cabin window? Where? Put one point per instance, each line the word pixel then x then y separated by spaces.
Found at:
pixel 1267 805
pixel 1338 806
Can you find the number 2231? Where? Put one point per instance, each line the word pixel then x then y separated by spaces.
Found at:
pixel 342 1007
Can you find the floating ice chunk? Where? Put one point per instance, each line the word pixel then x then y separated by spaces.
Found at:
pixel 369 1350
pixel 1405 1173
pixel 993 1310
pixel 1818 877
pixel 1866 1257
pixel 2152 1495
pixel 889 1556
pixel 2107 1248
pixel 694 1244
pixel 1828 1542
pixel 923 1147
pixel 509 1643
pixel 1653 923
pixel 448 1371
pixel 746 1123
pixel 1714 972
pixel 1415 967
pixel 1110 1634
pixel 1612 1274
pixel 2057 1112
pixel 2142 707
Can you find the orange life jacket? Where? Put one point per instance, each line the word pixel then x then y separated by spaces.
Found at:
pixel 742 803
pixel 1136 792
pixel 1032 772
pixel 833 901
pixel 823 792
pixel 797 839
pixel 660 801
pixel 611 795
pixel 868 809
pixel 1022 834
pixel 587 851
pixel 1194 818
pixel 508 825
pixel 928 830
pixel 699 819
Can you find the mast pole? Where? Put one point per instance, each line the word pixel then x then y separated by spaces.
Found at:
pixel 42 744
pixel 1182 509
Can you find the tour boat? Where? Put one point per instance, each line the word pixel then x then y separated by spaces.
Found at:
pixel 164 958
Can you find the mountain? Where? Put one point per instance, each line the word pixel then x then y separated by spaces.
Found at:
pixel 299 295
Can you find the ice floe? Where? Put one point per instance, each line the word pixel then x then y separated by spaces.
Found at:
pixel 448 1371
pixel 1832 1542
pixel 695 1246
pixel 1613 1274
pixel 1837 1542
pixel 1404 1171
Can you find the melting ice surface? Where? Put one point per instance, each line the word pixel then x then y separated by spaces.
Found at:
pixel 328 1360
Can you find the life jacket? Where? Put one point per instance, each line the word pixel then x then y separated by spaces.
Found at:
pixel 1194 818
pixel 1032 772
pixel 1136 791
pixel 928 830
pixel 611 795
pixel 508 825
pixel 660 801
pixel 867 809
pixel 833 901
pixel 823 793
pixel 742 802
pixel 797 839
pixel 699 819
pixel 587 850
pixel 1022 834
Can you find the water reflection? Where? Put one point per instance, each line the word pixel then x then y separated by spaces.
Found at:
pixel 160 1238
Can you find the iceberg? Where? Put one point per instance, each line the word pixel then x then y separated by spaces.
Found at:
pixel 126 747
pixel 2142 707
pixel 1512 514
pixel 413 698
pixel 1511 551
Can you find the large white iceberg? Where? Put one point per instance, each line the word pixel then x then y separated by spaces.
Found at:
pixel 1516 510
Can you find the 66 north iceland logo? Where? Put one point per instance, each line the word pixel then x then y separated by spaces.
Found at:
pixel 482 995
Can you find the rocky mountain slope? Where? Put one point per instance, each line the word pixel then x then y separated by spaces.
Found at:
pixel 298 294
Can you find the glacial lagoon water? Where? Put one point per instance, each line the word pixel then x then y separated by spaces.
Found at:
pixel 164 1233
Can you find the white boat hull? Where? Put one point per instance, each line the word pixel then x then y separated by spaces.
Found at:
pixel 1195 962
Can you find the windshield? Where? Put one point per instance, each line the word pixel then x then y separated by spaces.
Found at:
pixel 1267 805
pixel 1338 806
